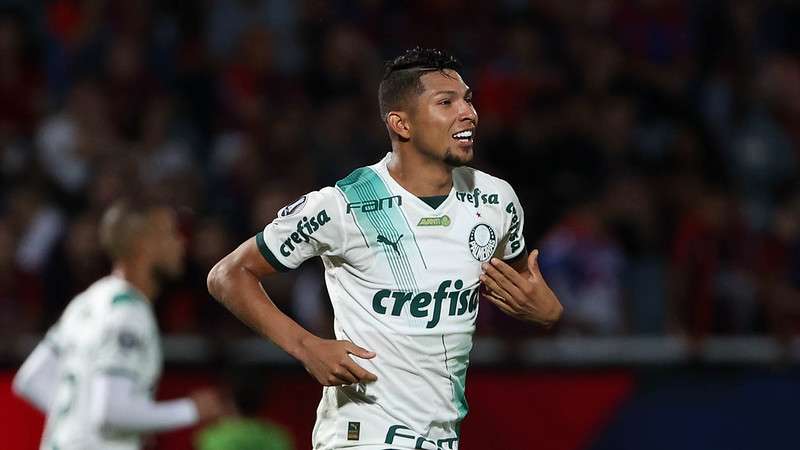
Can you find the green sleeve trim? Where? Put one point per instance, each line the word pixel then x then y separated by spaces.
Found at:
pixel 268 255
pixel 122 372
pixel 517 256
pixel 125 297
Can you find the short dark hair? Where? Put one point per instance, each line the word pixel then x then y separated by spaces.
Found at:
pixel 122 223
pixel 401 76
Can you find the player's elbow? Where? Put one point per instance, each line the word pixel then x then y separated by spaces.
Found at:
pixel 216 280
pixel 222 277
pixel 20 386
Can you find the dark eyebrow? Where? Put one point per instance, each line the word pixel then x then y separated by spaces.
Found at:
pixel 466 94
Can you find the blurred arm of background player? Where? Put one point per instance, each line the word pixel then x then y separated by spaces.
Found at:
pixel 519 289
pixel 235 282
pixel 116 404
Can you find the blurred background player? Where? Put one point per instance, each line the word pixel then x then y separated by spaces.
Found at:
pixel 95 372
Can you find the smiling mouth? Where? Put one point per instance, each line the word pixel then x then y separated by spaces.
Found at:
pixel 465 136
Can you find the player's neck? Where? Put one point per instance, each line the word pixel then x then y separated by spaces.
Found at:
pixel 420 175
pixel 139 276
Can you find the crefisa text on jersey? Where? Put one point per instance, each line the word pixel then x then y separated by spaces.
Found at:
pixel 513 232
pixel 461 301
pixel 477 198
pixel 305 228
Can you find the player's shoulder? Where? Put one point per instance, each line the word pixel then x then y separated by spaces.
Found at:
pixel 118 297
pixel 107 299
pixel 468 179
pixel 360 177
pixel 326 198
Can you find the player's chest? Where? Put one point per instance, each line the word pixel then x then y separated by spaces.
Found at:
pixel 413 240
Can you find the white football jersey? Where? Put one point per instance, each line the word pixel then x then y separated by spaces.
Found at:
pixel 109 328
pixel 403 278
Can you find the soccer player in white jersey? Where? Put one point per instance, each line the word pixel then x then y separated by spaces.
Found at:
pixel 95 372
pixel 409 244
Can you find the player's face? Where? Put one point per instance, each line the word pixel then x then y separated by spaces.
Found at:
pixel 168 245
pixel 445 120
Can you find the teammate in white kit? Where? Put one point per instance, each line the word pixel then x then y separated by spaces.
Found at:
pixel 409 245
pixel 95 372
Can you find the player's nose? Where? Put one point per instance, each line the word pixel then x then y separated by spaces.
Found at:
pixel 467 112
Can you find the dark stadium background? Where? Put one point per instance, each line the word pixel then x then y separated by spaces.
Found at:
pixel 653 143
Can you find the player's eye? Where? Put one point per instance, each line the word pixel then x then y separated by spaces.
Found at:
pixel 444 102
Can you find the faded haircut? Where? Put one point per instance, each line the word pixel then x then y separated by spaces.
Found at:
pixel 401 77
pixel 121 224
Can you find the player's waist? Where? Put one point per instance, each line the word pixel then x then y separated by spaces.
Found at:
pixel 342 425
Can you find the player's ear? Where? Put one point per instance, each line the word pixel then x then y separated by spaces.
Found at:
pixel 397 121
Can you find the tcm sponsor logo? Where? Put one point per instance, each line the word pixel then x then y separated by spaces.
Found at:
pixel 513 232
pixel 477 198
pixel 305 228
pixel 368 206
pixel 428 304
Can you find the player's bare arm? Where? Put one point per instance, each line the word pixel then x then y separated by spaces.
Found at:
pixel 235 282
pixel 520 291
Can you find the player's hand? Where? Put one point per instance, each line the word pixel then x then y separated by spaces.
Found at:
pixel 210 404
pixel 523 295
pixel 330 363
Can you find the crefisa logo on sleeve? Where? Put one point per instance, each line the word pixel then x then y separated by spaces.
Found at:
pixel 293 207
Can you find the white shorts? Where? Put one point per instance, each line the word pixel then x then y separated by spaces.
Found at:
pixel 345 425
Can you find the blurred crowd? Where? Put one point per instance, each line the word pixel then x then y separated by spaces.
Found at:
pixel 653 143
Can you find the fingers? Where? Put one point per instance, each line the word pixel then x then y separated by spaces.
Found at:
pixel 511 289
pixel 486 292
pixel 329 361
pixel 507 270
pixel 341 376
pixel 347 371
pixel 494 287
pixel 359 372
pixel 358 351
pixel 533 262
pixel 501 305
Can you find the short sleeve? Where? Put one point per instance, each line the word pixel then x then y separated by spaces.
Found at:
pixel 128 339
pixel 512 243
pixel 308 227
pixel 53 338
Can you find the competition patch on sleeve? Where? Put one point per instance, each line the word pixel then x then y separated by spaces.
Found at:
pixel 128 341
pixel 294 207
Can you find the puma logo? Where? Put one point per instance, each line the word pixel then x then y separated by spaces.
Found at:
pixel 385 240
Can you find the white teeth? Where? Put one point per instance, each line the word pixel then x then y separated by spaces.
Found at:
pixel 466 134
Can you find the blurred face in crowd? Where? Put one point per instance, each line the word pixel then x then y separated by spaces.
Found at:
pixel 164 243
pixel 443 120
